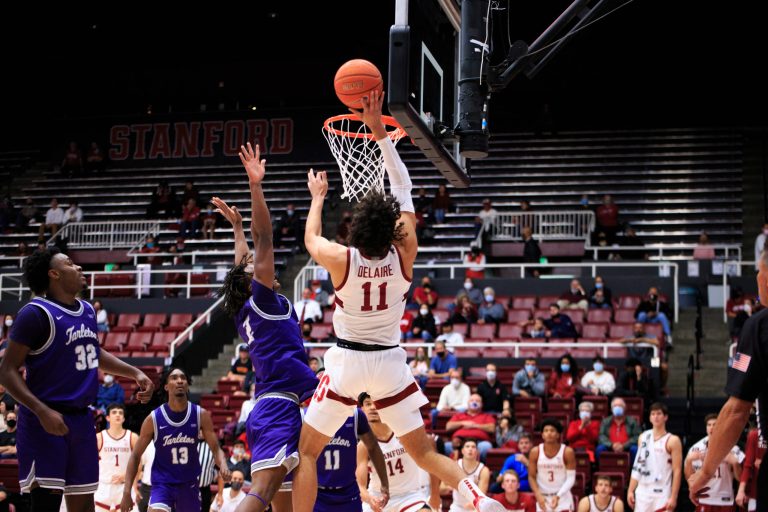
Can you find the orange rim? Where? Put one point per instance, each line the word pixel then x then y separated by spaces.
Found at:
pixel 396 131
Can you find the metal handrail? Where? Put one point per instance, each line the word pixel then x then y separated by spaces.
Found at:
pixel 189 332
pixel 106 235
pixel 549 225
pixel 660 248
pixel 311 271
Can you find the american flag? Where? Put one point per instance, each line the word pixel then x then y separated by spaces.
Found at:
pixel 741 362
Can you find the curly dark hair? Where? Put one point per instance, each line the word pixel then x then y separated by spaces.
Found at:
pixel 374 225
pixel 235 288
pixel 36 268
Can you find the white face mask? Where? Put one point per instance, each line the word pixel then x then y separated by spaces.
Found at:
pixel 467 286
pixel 424 311
pixel 455 382
pixel 491 375
pixel 9 322
pixel 108 379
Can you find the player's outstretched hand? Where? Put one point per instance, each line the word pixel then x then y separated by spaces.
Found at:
pixel 126 505
pixel 146 388
pixel 230 213
pixel 317 183
pixel 254 166
pixel 53 422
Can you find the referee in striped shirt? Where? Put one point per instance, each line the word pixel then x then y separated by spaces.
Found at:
pixel 207 475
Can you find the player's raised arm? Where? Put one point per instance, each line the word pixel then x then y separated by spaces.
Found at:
pixel 235 219
pixel 329 254
pixel 261 225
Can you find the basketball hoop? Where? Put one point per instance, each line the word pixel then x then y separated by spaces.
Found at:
pixel 357 154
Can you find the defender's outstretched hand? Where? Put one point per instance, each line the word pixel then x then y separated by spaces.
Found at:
pixel 317 183
pixel 230 213
pixel 252 163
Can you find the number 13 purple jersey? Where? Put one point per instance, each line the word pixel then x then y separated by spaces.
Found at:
pixel 176 458
pixel 269 325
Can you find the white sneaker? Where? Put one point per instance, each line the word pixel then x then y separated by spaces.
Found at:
pixel 486 504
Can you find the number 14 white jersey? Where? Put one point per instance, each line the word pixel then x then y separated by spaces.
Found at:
pixel 371 299
pixel 403 473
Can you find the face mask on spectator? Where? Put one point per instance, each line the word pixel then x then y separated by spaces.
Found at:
pixel 598 285
pixel 306 332
pixel 491 375
pixel 318 289
pixel 474 405
pixel 584 202
pixel 108 379
pixel 598 367
pixel 455 382
pixel 618 410
pixel 424 311
pixel 9 322
pixel 467 286
pixel 489 298
pixel 236 486
pixel 530 368
pixel 653 296
pixel 151 245
pixel 11 423
pixel 585 415
pixel 565 368
pixel 440 354
pixel 210 211
pixel 238 451
pixel 289 213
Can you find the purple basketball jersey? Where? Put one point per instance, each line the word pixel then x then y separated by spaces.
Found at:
pixel 176 458
pixel 268 324
pixel 338 461
pixel 62 370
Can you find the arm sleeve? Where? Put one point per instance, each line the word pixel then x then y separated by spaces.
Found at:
pixel 570 479
pixel 400 184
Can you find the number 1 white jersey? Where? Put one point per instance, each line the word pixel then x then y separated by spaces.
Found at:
pixel 403 473
pixel 113 460
pixel 370 301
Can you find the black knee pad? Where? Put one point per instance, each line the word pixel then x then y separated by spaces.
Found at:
pixel 46 500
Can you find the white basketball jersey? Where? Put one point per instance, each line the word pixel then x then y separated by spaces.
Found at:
pixel 113 456
pixel 654 461
pixel 403 473
pixel 551 471
pixel 593 504
pixel 459 501
pixel 371 299
pixel 721 484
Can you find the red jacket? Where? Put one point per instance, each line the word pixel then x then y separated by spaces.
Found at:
pixel 579 437
pixel 563 385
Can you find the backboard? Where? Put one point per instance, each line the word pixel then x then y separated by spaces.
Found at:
pixel 423 76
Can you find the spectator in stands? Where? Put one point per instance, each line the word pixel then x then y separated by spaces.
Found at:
pixel 163 200
pixel 475 294
pixel 597 300
pixel 760 244
pixel 634 382
pixel 210 220
pixel 308 309
pixel 7 402
pixel 94 159
pixel 245 409
pixel 72 164
pixel 190 219
pixel 562 381
pixel 441 204
pixel 655 311
pixel 474 424
pixel 630 239
pixel 465 312
pixel 488 215
pixel 453 397
pixel 423 326
pixel 73 214
pixel 607 217
pixel 639 335
pixel 422 202
pixel 574 298
pixel 8 438
pixel 529 381
pixel 150 246
pixel 110 392
pixel 512 498
pixel 448 336
pixel 420 366
pixel 618 432
pixel 342 229
pixel 306 333
pixel 507 432
pixel 241 366
pixel 190 192
pixel 319 294
pixel 531 251
pixel 746 497
pixel 518 462
pixel 54 218
pixel 494 394
pixel 738 309
pixel 475 261
pixel 583 433
pixel 536 328
pixel 424 294
pixel 406 323
pixel 27 214
pixel 443 362
pixel 7 214
pixel 607 293
pixel 288 226
pixel 703 249
pixel 239 460
pixel 490 310
pixel 102 317
pixel 559 325
pixel 22 249
pixel 598 381
pixel 314 364
pixel 228 498
pixel 6 327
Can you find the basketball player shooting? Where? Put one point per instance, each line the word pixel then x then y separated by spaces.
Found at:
pixel 371 279
pixel 267 322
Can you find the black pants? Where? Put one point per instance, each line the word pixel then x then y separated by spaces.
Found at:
pixel 205 498
pixel 145 491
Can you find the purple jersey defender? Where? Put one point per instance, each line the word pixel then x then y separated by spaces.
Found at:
pixel 281 374
pixel 337 489
pixel 62 371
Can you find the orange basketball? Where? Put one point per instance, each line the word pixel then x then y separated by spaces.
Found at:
pixel 355 79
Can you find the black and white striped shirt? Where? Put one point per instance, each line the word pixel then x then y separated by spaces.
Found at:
pixel 207 472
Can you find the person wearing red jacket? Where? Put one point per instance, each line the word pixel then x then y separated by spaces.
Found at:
pixel 582 434
pixel 562 382
pixel 747 495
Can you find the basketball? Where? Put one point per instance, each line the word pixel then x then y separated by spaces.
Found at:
pixel 355 79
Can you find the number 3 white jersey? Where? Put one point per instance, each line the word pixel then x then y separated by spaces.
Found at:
pixel 551 475
pixel 403 473
pixel 721 484
pixel 371 299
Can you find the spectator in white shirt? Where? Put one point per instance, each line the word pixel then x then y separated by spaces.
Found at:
pixel 453 397
pixel 487 215
pixel 760 244
pixel 308 309
pixel 102 317
pixel 73 213
pixel 230 497
pixel 54 218
pixel 598 381
pixel 449 336
pixel 245 410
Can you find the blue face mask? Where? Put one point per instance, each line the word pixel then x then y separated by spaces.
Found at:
pixel 618 411
pixel 530 368
pixel 151 245
pixel 598 367
pixel 565 368
pixel 598 285
pixel 489 298
pixel 585 202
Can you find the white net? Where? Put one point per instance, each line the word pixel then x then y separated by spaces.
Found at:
pixel 357 154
